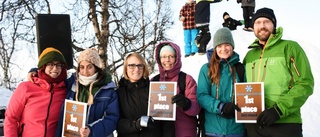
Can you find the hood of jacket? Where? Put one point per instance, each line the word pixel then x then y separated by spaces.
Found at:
pixel 168 74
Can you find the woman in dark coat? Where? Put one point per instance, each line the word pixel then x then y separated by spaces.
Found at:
pixel 133 95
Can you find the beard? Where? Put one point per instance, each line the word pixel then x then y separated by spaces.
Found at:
pixel 263 34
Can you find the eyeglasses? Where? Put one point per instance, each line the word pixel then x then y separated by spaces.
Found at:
pixel 170 57
pixel 133 66
pixel 58 65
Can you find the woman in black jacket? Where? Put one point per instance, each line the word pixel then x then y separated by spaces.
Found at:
pixel 133 95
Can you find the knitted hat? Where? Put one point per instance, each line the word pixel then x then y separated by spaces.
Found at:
pixel 265 12
pixel 167 47
pixel 224 14
pixel 222 36
pixel 91 55
pixel 49 55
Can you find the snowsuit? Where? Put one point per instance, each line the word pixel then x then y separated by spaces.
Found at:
pixel 248 11
pixel 34 109
pixel 202 19
pixel 189 28
pixel 215 124
pixel 288 82
pixel 231 23
pixel 186 121
pixel 133 101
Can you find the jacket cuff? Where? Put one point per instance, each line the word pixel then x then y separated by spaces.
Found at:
pixel 277 109
pixel 220 106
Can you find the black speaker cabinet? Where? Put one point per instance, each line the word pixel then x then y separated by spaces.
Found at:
pixel 54 30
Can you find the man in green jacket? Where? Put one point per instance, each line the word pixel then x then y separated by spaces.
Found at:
pixel 288 81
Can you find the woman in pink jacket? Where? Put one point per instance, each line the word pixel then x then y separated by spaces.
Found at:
pixel 168 57
pixel 34 108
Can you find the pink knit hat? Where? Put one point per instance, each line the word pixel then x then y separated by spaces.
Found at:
pixel 90 55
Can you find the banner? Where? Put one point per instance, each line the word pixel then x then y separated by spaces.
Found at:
pixel 74 118
pixel 250 99
pixel 159 106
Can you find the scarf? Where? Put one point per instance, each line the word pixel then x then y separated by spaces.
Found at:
pixel 84 93
pixel 50 80
pixel 87 80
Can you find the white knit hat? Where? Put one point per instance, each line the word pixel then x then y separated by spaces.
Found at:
pixel 91 55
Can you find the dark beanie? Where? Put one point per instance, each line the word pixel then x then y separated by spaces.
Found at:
pixel 265 12
pixel 49 55
pixel 224 14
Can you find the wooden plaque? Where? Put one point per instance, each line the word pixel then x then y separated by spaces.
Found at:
pixel 250 99
pixel 74 118
pixel 159 106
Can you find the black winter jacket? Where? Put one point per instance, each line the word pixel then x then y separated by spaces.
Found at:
pixel 133 102
pixel 231 23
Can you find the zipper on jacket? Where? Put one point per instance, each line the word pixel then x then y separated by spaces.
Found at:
pixel 22 128
pixel 47 117
pixel 294 65
pixel 165 75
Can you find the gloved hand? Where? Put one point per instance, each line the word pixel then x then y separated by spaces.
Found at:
pixel 227 110
pixel 32 73
pixel 144 121
pixel 269 116
pixel 238 1
pixel 181 101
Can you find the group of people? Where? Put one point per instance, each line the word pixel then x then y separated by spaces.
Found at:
pixel 195 17
pixel 281 64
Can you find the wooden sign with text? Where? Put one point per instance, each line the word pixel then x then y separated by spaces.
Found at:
pixel 74 118
pixel 159 106
pixel 250 99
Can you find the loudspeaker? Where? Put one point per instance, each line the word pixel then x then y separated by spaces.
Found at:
pixel 54 30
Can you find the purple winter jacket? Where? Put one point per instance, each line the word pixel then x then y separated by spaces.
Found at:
pixel 186 122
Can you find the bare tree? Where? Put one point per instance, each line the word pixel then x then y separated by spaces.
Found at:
pixel 122 27
pixel 16 25
pixel 116 27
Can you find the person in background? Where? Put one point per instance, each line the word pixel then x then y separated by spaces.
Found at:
pixel 168 58
pixel 230 22
pixel 202 19
pixel 288 81
pixel 248 11
pixel 34 107
pixel 215 91
pixel 190 30
pixel 93 86
pixel 133 98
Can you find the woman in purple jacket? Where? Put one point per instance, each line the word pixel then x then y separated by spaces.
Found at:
pixel 168 57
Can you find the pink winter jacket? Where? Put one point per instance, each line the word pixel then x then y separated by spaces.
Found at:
pixel 186 122
pixel 34 109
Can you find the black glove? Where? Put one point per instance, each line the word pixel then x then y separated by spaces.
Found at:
pixel 144 121
pixel 227 110
pixel 181 101
pixel 269 116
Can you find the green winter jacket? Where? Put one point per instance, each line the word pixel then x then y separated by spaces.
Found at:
pixel 206 96
pixel 285 70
